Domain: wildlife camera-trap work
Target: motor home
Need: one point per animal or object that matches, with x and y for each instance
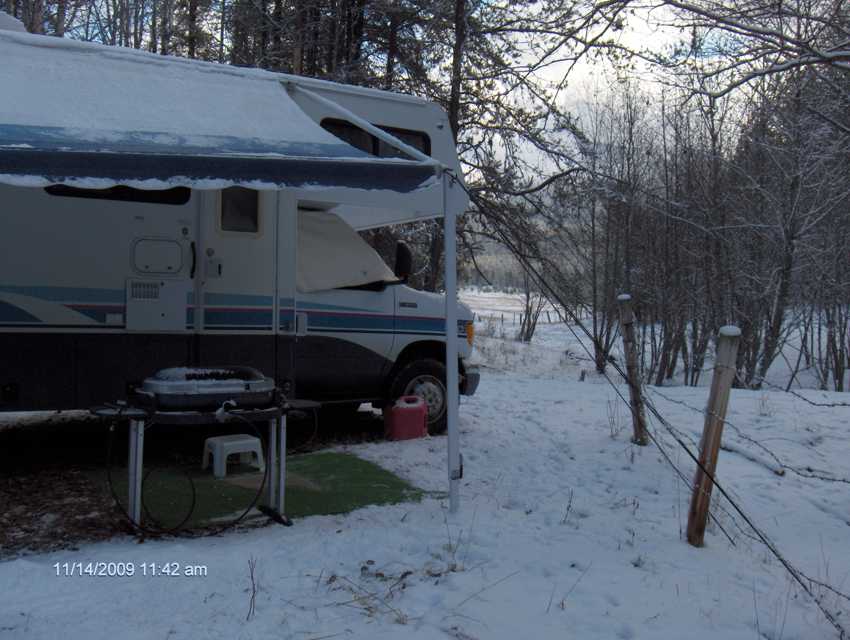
(158, 212)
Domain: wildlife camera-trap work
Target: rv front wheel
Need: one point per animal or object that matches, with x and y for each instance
(426, 379)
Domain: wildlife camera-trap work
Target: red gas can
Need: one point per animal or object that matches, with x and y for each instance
(407, 419)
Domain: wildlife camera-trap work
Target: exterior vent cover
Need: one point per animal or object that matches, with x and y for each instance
(144, 290)
(158, 305)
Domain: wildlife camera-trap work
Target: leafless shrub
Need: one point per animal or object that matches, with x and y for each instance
(615, 421)
(252, 601)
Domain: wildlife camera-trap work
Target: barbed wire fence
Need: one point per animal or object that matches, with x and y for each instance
(573, 322)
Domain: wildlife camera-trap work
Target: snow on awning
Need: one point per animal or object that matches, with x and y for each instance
(95, 116)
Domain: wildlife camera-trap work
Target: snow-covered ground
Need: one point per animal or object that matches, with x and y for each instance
(566, 530)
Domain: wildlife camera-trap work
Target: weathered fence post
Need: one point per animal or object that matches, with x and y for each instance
(627, 328)
(715, 415)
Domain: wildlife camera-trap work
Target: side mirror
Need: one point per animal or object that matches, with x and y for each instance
(403, 261)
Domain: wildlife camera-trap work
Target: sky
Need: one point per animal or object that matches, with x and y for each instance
(642, 31)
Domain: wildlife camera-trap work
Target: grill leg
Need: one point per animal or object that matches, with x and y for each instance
(134, 471)
(277, 474)
(271, 464)
(281, 478)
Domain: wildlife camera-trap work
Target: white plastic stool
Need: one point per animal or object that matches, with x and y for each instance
(248, 447)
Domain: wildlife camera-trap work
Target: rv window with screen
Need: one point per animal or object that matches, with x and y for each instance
(176, 196)
(360, 139)
(240, 210)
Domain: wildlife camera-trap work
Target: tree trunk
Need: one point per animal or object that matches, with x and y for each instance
(33, 16)
(457, 66)
(154, 35)
(221, 31)
(277, 33)
(774, 329)
(165, 28)
(192, 35)
(59, 26)
(357, 26)
(298, 44)
(262, 55)
(454, 122)
(435, 259)
(392, 50)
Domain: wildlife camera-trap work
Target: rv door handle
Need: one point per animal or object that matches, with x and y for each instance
(194, 261)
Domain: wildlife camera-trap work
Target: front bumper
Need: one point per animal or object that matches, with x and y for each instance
(469, 380)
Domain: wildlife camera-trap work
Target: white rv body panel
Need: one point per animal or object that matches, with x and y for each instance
(120, 273)
(115, 257)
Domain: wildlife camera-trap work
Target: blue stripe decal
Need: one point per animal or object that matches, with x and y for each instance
(96, 303)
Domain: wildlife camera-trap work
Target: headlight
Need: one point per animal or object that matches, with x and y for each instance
(470, 332)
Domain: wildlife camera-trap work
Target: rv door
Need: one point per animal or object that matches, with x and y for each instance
(236, 295)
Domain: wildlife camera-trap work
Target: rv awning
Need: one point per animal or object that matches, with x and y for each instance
(95, 116)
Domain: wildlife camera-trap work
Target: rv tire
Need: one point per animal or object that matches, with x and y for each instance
(425, 378)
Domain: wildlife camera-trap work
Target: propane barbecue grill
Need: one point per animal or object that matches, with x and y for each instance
(205, 388)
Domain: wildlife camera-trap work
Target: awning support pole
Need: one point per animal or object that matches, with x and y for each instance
(452, 381)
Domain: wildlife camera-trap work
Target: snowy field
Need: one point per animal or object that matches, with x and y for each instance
(566, 530)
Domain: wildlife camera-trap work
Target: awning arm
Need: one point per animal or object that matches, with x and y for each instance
(382, 135)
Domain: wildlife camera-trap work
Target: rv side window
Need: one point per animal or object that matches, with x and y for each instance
(360, 139)
(240, 210)
(355, 136)
(175, 196)
(416, 139)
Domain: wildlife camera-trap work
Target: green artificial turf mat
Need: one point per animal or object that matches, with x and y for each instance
(316, 484)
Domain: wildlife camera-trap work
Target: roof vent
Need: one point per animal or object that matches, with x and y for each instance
(10, 23)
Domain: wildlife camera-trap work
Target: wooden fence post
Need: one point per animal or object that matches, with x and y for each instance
(715, 415)
(627, 328)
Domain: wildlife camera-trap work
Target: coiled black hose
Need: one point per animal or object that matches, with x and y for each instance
(158, 529)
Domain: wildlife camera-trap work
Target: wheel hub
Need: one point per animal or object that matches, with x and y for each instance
(431, 391)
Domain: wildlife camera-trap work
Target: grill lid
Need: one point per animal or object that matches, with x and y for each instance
(179, 388)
